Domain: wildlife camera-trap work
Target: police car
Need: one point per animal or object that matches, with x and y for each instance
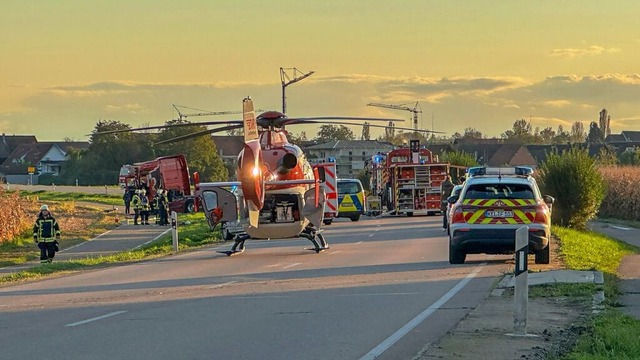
(492, 205)
(351, 199)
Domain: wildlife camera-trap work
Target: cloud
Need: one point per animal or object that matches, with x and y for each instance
(578, 52)
(450, 104)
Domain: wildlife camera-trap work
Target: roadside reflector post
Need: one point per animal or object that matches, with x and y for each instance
(521, 288)
(174, 230)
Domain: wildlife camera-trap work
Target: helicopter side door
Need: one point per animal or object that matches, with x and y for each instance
(218, 204)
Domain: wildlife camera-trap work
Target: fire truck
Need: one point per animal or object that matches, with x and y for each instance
(406, 181)
(169, 173)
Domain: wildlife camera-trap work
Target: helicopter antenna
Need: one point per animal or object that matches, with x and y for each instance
(286, 81)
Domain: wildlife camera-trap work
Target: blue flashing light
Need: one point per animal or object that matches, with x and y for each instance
(331, 159)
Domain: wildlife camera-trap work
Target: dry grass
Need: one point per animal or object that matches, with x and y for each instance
(15, 215)
(623, 192)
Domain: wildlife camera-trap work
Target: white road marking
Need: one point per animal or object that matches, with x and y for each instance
(395, 337)
(221, 285)
(96, 318)
(152, 240)
(359, 242)
(620, 227)
(335, 252)
(292, 265)
(370, 235)
(274, 265)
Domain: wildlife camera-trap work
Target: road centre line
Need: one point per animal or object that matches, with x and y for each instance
(292, 265)
(96, 318)
(395, 337)
(620, 227)
(370, 235)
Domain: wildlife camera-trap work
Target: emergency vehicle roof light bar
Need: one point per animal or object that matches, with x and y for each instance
(516, 170)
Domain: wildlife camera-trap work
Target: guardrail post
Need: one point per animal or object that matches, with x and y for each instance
(174, 230)
(521, 296)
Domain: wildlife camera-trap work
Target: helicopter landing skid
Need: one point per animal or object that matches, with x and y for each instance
(238, 246)
(230, 252)
(315, 236)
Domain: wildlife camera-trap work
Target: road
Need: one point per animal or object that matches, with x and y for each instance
(384, 290)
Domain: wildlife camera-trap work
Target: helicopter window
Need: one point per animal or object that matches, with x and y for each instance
(210, 200)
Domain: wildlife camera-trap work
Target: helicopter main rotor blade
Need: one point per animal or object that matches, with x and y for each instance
(372, 125)
(157, 127)
(199, 133)
(331, 118)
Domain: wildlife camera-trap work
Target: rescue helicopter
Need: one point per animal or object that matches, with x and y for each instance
(278, 194)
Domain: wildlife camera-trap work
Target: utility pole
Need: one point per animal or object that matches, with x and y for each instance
(286, 81)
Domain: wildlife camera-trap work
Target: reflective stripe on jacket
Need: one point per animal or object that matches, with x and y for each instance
(46, 229)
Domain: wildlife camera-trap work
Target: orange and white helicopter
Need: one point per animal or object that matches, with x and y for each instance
(278, 192)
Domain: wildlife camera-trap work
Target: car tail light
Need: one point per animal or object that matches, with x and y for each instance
(542, 214)
(457, 216)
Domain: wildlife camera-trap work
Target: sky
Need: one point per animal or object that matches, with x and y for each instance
(67, 64)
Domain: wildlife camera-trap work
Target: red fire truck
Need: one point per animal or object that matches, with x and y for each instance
(169, 173)
(407, 181)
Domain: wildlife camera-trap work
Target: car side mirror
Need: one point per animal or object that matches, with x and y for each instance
(452, 199)
(548, 199)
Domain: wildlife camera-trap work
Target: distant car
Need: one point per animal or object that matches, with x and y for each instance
(455, 193)
(492, 205)
(351, 199)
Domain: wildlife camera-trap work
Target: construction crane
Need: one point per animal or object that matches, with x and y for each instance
(286, 81)
(415, 110)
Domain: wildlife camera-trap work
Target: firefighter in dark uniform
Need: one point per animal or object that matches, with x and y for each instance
(161, 205)
(445, 190)
(46, 233)
(145, 207)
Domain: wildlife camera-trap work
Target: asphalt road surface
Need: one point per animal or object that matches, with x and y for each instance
(383, 290)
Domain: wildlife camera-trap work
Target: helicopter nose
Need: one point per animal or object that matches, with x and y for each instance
(286, 163)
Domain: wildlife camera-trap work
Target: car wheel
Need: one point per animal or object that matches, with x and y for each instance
(189, 207)
(542, 256)
(327, 221)
(456, 256)
(410, 213)
(355, 217)
(226, 235)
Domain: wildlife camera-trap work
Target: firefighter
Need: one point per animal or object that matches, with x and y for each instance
(445, 190)
(161, 205)
(46, 233)
(145, 208)
(137, 205)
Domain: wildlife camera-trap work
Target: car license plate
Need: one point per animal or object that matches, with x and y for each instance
(498, 214)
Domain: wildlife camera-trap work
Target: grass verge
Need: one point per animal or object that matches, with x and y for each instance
(610, 334)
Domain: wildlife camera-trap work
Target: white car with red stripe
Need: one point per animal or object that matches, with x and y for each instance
(492, 205)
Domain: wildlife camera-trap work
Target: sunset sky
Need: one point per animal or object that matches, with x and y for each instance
(67, 64)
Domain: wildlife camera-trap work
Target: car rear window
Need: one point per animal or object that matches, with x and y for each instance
(499, 191)
(349, 187)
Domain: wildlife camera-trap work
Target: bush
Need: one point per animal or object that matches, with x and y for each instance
(573, 179)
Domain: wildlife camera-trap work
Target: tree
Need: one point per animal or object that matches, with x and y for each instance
(334, 132)
(100, 163)
(201, 152)
(577, 132)
(460, 158)
(562, 137)
(472, 133)
(521, 133)
(596, 136)
(547, 134)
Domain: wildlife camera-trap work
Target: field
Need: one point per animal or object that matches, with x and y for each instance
(623, 190)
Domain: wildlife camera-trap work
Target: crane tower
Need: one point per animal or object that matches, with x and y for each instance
(415, 110)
